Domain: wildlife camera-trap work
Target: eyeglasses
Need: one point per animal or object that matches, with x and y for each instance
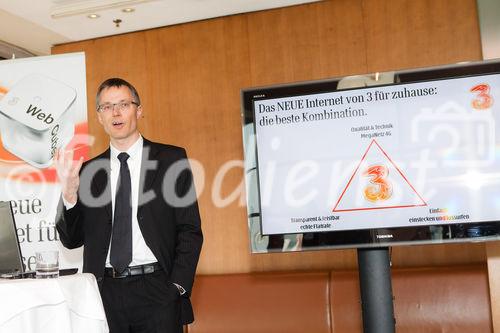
(122, 106)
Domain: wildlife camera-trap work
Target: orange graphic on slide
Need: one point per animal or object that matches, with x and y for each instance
(483, 99)
(386, 186)
(380, 188)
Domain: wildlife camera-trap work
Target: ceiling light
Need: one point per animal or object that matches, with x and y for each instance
(79, 7)
(128, 10)
(93, 16)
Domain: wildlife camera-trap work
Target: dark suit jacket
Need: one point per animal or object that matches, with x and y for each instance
(170, 228)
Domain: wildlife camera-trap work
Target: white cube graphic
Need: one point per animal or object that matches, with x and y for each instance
(36, 118)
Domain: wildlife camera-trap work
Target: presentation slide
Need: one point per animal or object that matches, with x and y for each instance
(404, 155)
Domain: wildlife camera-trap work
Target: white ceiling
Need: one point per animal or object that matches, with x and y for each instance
(33, 26)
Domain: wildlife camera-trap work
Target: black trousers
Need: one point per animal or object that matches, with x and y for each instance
(146, 303)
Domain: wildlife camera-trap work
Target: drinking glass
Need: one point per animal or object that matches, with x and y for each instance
(47, 264)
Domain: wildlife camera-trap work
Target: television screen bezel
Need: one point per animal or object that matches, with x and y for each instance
(360, 238)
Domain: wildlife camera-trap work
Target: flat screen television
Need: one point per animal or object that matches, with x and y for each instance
(393, 158)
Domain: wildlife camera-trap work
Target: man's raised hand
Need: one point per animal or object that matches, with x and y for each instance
(68, 174)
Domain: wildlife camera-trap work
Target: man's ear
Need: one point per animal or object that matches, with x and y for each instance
(99, 117)
(139, 111)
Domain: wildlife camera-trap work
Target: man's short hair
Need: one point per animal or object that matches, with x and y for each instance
(117, 83)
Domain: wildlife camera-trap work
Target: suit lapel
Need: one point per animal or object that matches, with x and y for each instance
(150, 166)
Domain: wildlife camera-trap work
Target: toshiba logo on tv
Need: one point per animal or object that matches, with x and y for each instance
(385, 236)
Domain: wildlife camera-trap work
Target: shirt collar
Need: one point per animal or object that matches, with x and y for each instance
(133, 151)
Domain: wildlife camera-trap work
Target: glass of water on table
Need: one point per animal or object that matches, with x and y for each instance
(47, 264)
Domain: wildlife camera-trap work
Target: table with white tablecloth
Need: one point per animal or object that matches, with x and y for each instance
(68, 304)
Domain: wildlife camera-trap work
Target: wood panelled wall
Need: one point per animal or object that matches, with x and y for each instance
(190, 77)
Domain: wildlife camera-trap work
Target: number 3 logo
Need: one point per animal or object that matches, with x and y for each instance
(380, 187)
(483, 99)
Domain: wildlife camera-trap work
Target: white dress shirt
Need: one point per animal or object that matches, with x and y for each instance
(141, 253)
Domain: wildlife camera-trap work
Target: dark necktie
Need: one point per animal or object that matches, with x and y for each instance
(121, 243)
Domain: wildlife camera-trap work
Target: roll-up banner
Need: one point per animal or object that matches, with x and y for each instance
(43, 107)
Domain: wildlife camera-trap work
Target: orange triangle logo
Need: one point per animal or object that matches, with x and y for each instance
(377, 183)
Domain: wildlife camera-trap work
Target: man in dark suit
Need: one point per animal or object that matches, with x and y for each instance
(134, 210)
